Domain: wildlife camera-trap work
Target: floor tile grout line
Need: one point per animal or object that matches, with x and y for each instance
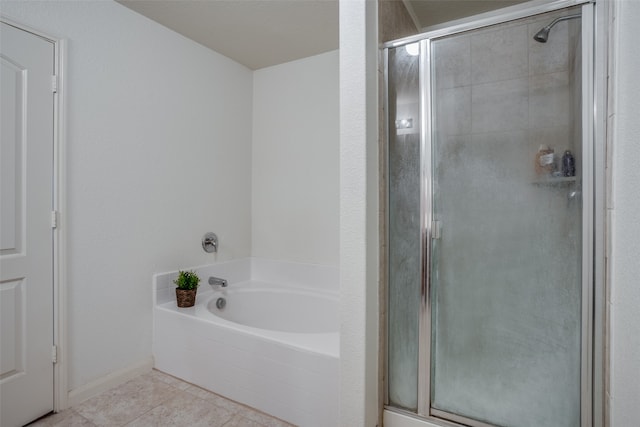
(83, 417)
(143, 414)
(146, 383)
(164, 404)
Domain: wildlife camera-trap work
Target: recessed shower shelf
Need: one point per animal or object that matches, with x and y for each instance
(560, 180)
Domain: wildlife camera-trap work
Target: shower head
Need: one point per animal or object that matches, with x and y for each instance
(543, 35)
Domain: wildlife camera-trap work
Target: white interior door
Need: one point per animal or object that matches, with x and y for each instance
(26, 235)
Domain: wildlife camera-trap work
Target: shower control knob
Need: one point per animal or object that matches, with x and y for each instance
(210, 242)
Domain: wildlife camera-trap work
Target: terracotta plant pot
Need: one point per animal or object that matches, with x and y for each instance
(186, 297)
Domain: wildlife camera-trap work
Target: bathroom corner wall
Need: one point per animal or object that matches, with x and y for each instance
(158, 142)
(624, 282)
(359, 214)
(394, 21)
(295, 134)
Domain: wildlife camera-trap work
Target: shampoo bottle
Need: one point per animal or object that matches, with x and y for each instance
(568, 164)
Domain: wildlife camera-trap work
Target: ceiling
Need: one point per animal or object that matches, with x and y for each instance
(261, 33)
(255, 33)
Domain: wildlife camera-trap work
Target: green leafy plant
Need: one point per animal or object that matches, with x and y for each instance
(187, 280)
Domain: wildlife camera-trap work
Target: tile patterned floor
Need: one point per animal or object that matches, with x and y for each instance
(158, 399)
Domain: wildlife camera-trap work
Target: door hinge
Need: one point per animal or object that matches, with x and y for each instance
(54, 354)
(54, 84)
(54, 219)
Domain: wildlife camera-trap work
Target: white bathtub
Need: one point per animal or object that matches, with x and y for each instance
(274, 346)
(277, 308)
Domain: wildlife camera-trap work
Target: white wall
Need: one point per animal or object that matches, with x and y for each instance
(359, 240)
(295, 135)
(158, 153)
(625, 281)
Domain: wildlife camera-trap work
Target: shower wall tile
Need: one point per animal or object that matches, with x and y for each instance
(497, 157)
(499, 55)
(552, 56)
(453, 111)
(500, 106)
(453, 67)
(549, 98)
(453, 151)
(501, 154)
(575, 39)
(394, 21)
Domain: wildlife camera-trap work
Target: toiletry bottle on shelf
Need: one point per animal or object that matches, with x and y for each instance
(568, 164)
(545, 160)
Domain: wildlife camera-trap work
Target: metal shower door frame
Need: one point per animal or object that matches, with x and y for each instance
(593, 205)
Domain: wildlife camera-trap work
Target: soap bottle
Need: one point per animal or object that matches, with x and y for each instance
(545, 160)
(568, 164)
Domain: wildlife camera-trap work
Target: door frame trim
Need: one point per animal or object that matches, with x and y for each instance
(60, 324)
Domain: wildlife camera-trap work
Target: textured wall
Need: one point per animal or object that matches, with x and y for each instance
(625, 282)
(359, 240)
(394, 21)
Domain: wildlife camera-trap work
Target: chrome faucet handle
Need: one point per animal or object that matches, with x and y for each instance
(216, 281)
(210, 242)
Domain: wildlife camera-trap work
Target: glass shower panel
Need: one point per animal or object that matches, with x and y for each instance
(506, 268)
(404, 261)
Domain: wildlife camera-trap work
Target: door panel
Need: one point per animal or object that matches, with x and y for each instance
(26, 239)
(506, 270)
(404, 268)
(507, 243)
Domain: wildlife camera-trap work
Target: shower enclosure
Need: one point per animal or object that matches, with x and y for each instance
(490, 220)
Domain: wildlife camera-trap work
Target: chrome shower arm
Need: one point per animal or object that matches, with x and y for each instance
(542, 35)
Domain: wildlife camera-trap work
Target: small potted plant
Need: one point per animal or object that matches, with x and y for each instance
(186, 288)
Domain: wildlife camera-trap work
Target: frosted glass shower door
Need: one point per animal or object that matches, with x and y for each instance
(506, 261)
(404, 227)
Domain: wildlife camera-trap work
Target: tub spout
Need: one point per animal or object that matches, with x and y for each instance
(216, 281)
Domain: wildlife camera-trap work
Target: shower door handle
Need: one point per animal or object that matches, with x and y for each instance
(436, 230)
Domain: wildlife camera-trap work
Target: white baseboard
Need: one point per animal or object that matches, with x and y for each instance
(82, 393)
